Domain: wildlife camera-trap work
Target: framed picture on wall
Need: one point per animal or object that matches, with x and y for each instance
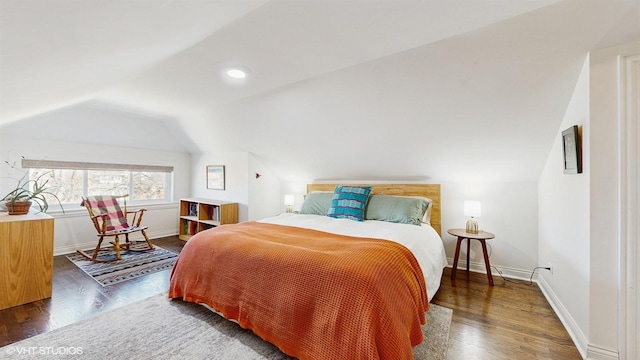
(572, 151)
(215, 177)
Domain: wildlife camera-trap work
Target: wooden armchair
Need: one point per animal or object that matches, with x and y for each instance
(110, 220)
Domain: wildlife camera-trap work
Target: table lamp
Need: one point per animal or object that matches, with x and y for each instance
(288, 201)
(472, 208)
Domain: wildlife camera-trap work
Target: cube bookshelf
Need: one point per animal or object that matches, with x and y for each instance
(197, 214)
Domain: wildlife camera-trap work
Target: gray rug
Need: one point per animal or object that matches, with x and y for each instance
(158, 328)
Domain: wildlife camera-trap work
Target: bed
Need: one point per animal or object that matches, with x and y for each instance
(325, 286)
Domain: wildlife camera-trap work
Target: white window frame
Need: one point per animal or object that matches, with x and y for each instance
(87, 166)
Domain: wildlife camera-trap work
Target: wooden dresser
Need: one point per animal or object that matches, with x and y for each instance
(26, 258)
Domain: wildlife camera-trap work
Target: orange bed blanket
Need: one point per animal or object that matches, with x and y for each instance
(315, 295)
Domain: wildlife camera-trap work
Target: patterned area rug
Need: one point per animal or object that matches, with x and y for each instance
(132, 265)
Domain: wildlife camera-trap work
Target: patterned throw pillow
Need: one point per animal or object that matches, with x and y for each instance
(349, 202)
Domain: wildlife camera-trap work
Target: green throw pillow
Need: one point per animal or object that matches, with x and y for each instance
(316, 203)
(397, 209)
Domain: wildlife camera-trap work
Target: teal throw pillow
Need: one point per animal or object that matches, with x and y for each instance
(349, 202)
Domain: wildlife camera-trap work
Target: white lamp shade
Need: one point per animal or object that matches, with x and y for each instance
(289, 200)
(472, 208)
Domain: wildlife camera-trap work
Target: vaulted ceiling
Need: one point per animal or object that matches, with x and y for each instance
(467, 90)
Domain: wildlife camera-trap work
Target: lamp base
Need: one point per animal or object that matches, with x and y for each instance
(472, 226)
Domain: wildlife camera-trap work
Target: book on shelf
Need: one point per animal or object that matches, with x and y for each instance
(193, 209)
(213, 213)
(207, 226)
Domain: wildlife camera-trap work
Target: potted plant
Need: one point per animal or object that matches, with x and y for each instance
(29, 191)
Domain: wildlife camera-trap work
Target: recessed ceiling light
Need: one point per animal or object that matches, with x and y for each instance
(236, 73)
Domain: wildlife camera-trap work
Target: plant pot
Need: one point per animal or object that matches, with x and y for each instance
(18, 207)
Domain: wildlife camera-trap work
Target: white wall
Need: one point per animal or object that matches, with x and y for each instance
(265, 197)
(96, 133)
(509, 210)
(74, 230)
(297, 188)
(579, 213)
(564, 231)
(236, 173)
(256, 198)
(604, 263)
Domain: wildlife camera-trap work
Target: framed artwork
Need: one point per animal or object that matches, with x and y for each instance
(215, 177)
(571, 150)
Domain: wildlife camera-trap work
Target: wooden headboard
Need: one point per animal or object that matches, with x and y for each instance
(431, 191)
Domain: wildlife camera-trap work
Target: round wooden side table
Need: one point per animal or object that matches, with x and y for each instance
(481, 236)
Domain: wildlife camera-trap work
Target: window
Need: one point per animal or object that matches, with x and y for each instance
(70, 181)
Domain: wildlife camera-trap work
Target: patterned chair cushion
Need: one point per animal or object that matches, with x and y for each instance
(116, 218)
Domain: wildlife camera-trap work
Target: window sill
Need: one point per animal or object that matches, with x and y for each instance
(80, 211)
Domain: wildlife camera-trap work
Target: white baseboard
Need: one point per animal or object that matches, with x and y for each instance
(478, 267)
(597, 353)
(578, 337)
(587, 351)
(62, 250)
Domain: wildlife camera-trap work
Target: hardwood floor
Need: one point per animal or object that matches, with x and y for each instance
(507, 321)
(76, 296)
(511, 320)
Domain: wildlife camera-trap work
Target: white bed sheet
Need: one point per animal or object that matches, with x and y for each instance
(423, 241)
